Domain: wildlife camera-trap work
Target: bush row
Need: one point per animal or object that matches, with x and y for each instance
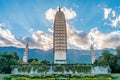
(52, 77)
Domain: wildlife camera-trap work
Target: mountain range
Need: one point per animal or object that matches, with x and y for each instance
(73, 55)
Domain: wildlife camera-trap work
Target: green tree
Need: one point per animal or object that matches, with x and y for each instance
(30, 60)
(59, 68)
(29, 67)
(67, 68)
(3, 62)
(35, 62)
(112, 62)
(117, 67)
(45, 68)
(103, 60)
(72, 68)
(45, 62)
(118, 51)
(24, 68)
(107, 59)
(39, 70)
(15, 55)
(6, 60)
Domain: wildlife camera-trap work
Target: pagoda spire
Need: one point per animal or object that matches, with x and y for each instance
(59, 9)
(60, 38)
(92, 53)
(25, 57)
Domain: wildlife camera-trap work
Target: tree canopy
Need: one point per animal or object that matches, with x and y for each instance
(109, 59)
(6, 60)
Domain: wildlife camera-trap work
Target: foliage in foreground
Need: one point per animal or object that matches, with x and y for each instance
(6, 60)
(63, 79)
(109, 59)
(11, 58)
(57, 77)
(57, 68)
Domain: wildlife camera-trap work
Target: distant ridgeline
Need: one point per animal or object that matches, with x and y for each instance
(73, 56)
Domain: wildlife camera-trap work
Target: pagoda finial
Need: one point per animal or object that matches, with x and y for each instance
(59, 9)
(27, 44)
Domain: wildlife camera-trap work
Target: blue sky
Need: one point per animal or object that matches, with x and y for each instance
(26, 20)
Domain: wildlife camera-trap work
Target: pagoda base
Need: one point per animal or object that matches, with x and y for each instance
(60, 62)
(60, 57)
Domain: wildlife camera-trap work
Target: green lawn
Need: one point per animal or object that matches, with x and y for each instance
(2, 76)
(114, 77)
(63, 79)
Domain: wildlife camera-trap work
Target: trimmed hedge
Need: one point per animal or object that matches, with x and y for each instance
(80, 68)
(59, 76)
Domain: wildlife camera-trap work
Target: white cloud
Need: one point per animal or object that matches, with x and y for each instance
(82, 40)
(30, 30)
(6, 34)
(113, 13)
(110, 40)
(75, 5)
(42, 40)
(0, 25)
(98, 39)
(113, 18)
(8, 39)
(39, 35)
(50, 30)
(5, 26)
(77, 38)
(107, 12)
(39, 40)
(69, 13)
(50, 14)
(115, 22)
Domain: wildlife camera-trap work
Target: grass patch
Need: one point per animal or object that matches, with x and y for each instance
(24, 78)
(57, 77)
(90, 78)
(115, 76)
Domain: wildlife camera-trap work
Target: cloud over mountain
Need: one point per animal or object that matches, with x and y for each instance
(76, 38)
(83, 40)
(8, 39)
(39, 40)
(101, 40)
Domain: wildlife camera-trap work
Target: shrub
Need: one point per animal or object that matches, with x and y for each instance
(76, 76)
(62, 75)
(47, 76)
